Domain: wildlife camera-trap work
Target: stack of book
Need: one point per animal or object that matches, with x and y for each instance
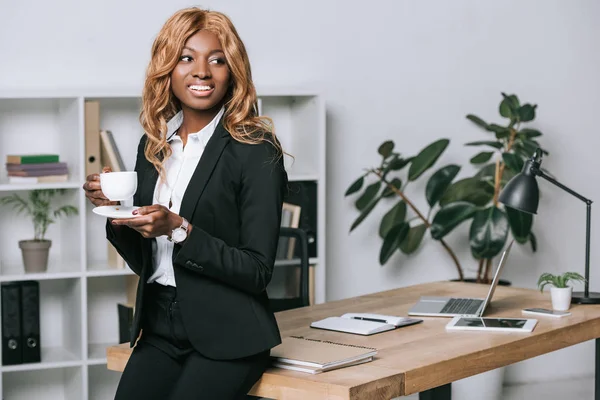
(315, 356)
(36, 168)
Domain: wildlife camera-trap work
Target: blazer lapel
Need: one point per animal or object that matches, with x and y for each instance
(210, 156)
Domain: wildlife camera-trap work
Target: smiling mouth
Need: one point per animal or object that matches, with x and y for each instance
(200, 88)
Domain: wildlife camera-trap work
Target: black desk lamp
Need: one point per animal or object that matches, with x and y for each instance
(521, 193)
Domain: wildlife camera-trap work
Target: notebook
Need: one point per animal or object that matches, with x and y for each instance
(364, 323)
(315, 356)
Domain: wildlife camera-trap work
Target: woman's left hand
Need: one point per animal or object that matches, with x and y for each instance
(152, 221)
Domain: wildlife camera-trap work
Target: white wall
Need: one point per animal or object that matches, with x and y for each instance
(401, 70)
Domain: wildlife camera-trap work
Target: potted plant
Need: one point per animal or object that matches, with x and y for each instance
(560, 292)
(451, 202)
(37, 206)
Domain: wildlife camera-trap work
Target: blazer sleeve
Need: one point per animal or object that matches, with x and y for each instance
(249, 266)
(128, 242)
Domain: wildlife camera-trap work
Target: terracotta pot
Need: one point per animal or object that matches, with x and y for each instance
(35, 255)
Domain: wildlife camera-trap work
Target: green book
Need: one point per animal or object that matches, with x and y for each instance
(32, 158)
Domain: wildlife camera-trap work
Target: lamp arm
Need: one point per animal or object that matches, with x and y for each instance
(538, 172)
(588, 224)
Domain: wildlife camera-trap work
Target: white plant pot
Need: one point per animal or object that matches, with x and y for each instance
(485, 386)
(561, 298)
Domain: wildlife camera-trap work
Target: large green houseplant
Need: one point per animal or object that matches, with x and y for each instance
(449, 202)
(37, 206)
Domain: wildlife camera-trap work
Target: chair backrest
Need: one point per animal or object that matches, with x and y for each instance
(296, 256)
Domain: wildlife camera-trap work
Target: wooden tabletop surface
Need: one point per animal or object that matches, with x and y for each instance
(417, 357)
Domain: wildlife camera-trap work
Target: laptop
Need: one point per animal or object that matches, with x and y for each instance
(431, 306)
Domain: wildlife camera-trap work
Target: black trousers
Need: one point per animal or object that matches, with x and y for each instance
(164, 366)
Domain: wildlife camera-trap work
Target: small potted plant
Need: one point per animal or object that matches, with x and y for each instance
(560, 292)
(37, 206)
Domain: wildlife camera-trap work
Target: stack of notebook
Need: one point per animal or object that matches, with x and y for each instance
(316, 356)
(36, 168)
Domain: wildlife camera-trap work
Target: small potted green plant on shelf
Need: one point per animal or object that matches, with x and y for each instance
(37, 206)
(560, 292)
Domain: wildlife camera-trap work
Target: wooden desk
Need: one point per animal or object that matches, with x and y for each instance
(421, 358)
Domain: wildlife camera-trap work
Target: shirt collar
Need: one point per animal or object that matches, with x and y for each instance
(204, 134)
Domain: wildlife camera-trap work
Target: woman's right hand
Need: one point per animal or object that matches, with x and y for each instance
(93, 191)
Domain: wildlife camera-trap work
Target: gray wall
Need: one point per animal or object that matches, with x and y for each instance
(402, 70)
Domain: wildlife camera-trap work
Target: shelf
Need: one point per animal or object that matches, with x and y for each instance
(53, 357)
(295, 261)
(104, 293)
(16, 187)
(56, 270)
(103, 382)
(97, 353)
(101, 269)
(302, 177)
(49, 384)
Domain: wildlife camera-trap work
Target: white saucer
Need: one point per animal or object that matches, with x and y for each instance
(116, 211)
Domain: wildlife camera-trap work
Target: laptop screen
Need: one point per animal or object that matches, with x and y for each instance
(496, 279)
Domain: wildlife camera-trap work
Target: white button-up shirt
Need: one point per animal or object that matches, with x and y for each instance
(179, 168)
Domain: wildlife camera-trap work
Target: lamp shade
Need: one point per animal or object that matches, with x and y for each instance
(522, 192)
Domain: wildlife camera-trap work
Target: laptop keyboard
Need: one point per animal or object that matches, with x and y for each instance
(461, 306)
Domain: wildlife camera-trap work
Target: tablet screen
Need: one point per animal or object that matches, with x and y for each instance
(492, 323)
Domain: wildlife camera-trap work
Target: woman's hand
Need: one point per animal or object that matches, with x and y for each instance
(93, 191)
(152, 221)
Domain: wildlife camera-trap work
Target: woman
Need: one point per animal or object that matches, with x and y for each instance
(211, 183)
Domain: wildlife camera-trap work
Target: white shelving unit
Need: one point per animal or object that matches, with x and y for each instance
(79, 292)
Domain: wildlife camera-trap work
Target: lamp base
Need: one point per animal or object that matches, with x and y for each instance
(580, 298)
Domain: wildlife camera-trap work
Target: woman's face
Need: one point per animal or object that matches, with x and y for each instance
(201, 78)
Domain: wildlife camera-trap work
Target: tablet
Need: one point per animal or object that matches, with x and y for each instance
(492, 324)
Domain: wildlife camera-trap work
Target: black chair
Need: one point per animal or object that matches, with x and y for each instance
(299, 253)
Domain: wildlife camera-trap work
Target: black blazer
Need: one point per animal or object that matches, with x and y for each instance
(234, 201)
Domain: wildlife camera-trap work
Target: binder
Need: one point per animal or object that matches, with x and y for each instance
(111, 157)
(315, 356)
(125, 313)
(30, 321)
(11, 323)
(92, 138)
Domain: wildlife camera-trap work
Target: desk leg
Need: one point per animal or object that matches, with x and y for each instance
(597, 377)
(444, 392)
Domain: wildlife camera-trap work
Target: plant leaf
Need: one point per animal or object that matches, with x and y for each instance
(509, 106)
(482, 157)
(356, 186)
(426, 158)
(471, 190)
(513, 162)
(449, 217)
(500, 131)
(385, 149)
(439, 182)
(533, 241)
(496, 145)
(529, 133)
(520, 224)
(398, 163)
(414, 238)
(488, 232)
(392, 241)
(478, 121)
(393, 217)
(387, 192)
(527, 112)
(368, 195)
(488, 172)
(365, 212)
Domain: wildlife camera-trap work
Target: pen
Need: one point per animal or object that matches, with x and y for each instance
(371, 319)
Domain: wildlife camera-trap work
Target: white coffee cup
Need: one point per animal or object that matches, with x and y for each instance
(118, 186)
